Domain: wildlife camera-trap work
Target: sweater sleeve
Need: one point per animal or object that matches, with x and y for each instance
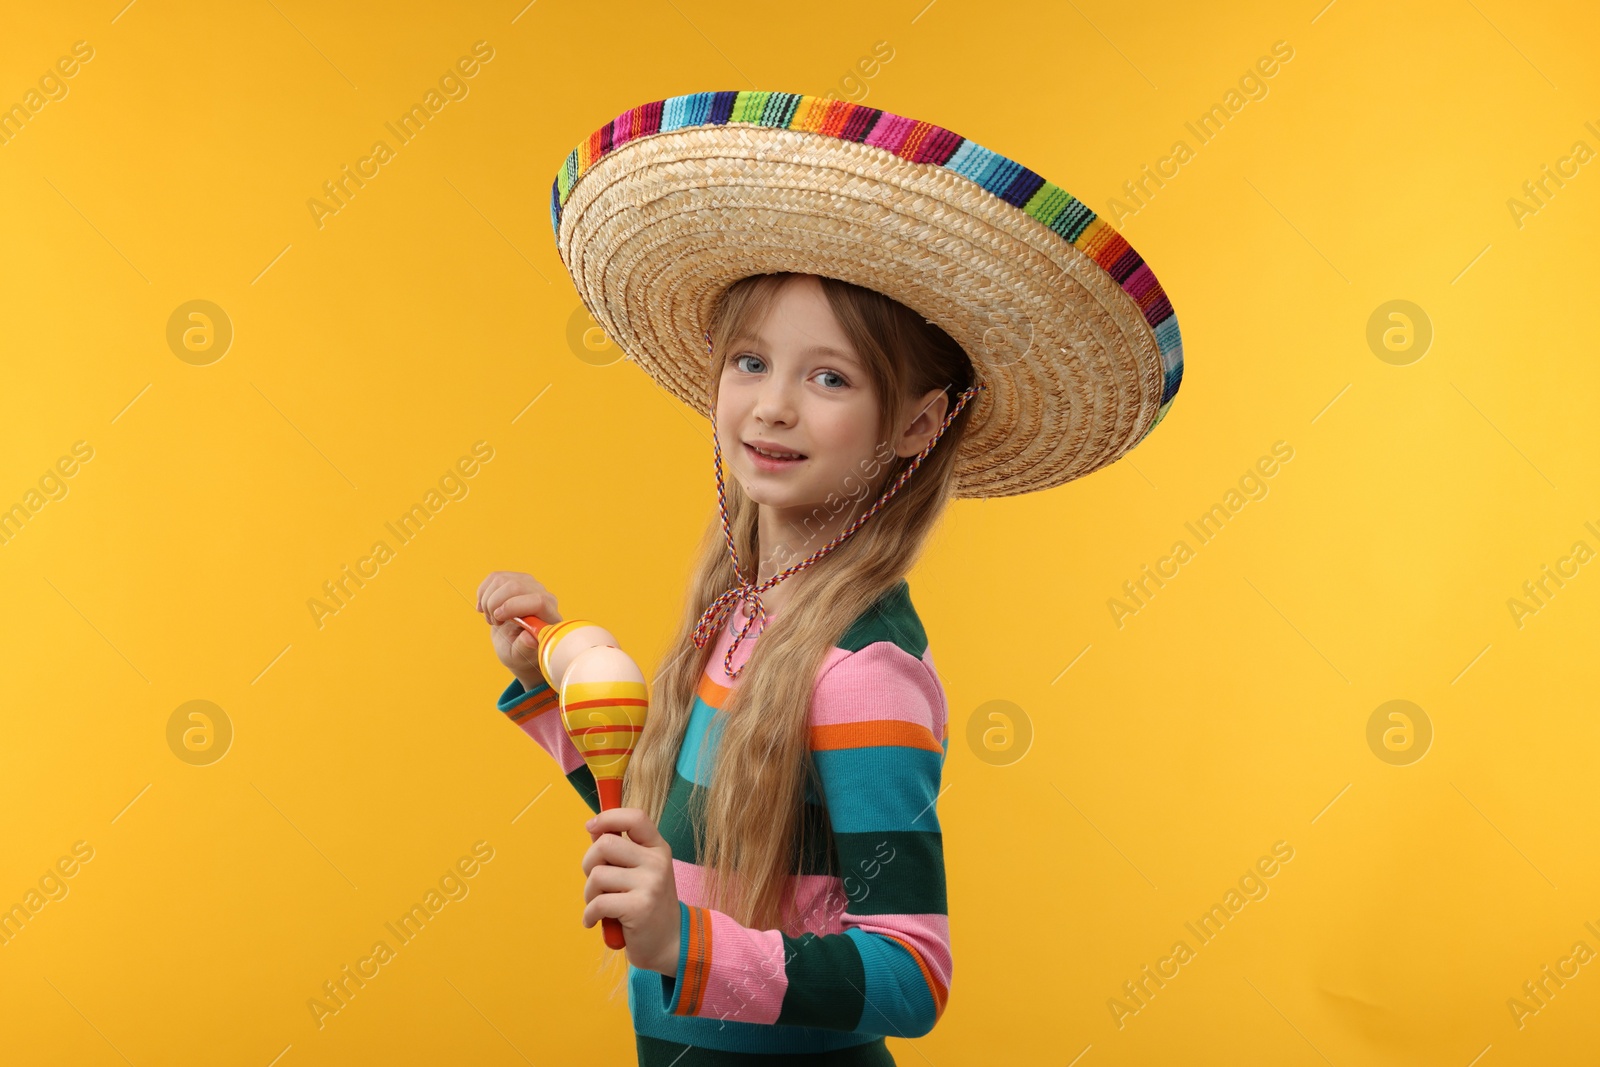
(538, 712)
(878, 737)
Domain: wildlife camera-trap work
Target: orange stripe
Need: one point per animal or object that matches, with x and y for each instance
(711, 691)
(607, 702)
(698, 963)
(839, 113)
(580, 730)
(529, 709)
(914, 139)
(873, 732)
(941, 994)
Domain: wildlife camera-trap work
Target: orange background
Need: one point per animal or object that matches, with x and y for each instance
(1151, 757)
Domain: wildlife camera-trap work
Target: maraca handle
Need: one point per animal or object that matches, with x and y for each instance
(609, 926)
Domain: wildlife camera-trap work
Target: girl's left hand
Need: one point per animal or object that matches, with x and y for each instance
(631, 880)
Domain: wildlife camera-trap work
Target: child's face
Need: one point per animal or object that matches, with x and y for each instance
(778, 386)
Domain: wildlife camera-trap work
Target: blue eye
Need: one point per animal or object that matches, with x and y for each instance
(835, 374)
(737, 361)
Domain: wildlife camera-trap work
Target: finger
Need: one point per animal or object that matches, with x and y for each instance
(513, 586)
(539, 603)
(609, 849)
(485, 587)
(608, 879)
(525, 648)
(633, 821)
(608, 906)
(507, 584)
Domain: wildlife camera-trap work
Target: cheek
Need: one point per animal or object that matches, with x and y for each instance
(729, 411)
(851, 435)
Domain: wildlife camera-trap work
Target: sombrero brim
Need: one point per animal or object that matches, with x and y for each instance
(663, 208)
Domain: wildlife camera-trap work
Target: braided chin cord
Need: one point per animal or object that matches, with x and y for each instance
(743, 592)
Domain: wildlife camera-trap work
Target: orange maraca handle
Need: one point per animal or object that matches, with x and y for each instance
(609, 927)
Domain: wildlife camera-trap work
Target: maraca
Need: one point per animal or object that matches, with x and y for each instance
(604, 702)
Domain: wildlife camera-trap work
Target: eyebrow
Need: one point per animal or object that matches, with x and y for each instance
(810, 350)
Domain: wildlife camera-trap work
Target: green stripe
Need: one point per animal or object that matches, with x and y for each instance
(780, 110)
(747, 106)
(1047, 202)
(894, 872)
(890, 618)
(654, 1052)
(827, 982)
(582, 780)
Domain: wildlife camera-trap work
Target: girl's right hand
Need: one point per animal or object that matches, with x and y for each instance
(503, 597)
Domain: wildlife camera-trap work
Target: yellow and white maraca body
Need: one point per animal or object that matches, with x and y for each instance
(604, 702)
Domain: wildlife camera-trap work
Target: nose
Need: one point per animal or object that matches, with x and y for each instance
(775, 402)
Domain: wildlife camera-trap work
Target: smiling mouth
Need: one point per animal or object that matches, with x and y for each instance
(770, 462)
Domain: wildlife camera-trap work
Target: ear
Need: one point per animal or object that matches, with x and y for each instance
(926, 414)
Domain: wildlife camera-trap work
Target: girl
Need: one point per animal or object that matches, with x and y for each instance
(781, 885)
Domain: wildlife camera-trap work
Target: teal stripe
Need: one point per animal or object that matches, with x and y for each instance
(886, 787)
(690, 110)
(1073, 221)
(780, 110)
(999, 176)
(705, 729)
(1167, 338)
(898, 999)
(970, 160)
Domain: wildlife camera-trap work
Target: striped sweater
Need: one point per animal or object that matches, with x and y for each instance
(863, 955)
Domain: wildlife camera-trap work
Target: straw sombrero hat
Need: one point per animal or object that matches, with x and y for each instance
(1072, 337)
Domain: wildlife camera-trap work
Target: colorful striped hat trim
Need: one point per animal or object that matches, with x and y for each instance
(918, 142)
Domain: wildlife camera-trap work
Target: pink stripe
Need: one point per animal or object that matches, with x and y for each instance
(546, 728)
(929, 934)
(890, 132)
(747, 980)
(813, 903)
(1139, 282)
(880, 681)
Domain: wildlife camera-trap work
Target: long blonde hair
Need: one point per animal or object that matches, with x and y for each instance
(752, 824)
